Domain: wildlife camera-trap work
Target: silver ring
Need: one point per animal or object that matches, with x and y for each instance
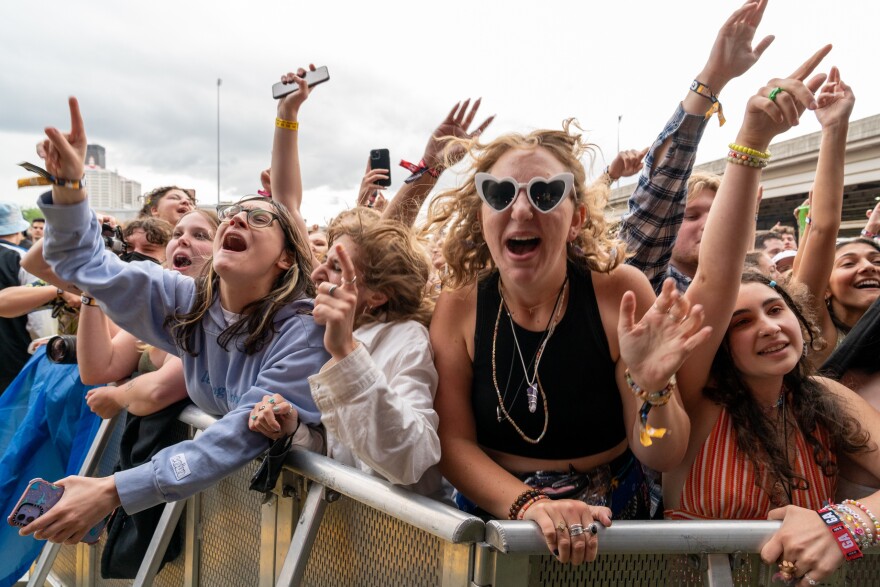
(263, 407)
(351, 281)
(331, 290)
(811, 580)
(576, 529)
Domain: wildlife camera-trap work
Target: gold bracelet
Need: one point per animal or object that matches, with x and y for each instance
(749, 151)
(288, 124)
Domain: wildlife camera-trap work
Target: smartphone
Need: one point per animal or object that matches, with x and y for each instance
(313, 78)
(381, 159)
(39, 497)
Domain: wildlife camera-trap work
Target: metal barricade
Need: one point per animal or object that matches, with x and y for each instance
(714, 553)
(329, 524)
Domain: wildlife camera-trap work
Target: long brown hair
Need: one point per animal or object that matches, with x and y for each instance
(391, 261)
(457, 210)
(258, 316)
(811, 405)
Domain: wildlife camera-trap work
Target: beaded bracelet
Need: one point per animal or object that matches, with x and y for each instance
(520, 501)
(649, 400)
(749, 151)
(857, 526)
(842, 535)
(288, 124)
(747, 160)
(868, 513)
(522, 511)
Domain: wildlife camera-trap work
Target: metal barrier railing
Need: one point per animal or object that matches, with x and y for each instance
(379, 534)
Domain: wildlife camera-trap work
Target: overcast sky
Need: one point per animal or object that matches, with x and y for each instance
(146, 77)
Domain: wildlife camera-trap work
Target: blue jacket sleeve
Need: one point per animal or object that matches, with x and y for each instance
(136, 296)
(186, 468)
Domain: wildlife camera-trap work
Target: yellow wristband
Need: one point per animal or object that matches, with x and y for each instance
(288, 124)
(749, 151)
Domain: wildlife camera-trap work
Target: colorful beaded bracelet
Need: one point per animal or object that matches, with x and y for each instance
(749, 151)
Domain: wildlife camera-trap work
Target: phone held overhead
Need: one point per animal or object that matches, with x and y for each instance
(313, 78)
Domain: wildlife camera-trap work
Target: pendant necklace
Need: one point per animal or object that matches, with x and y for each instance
(534, 382)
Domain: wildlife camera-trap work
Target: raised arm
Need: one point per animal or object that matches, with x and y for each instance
(75, 251)
(405, 205)
(836, 102)
(286, 177)
(656, 207)
(728, 228)
(102, 357)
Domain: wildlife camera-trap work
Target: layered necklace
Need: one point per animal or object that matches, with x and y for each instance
(534, 381)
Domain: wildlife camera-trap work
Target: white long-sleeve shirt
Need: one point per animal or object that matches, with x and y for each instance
(377, 405)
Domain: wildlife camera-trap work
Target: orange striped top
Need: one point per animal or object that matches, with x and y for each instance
(723, 483)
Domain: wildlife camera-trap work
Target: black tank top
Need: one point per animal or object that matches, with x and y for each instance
(576, 371)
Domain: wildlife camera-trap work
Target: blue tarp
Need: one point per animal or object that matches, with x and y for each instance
(46, 429)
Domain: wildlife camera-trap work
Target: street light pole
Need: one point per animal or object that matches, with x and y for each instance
(219, 81)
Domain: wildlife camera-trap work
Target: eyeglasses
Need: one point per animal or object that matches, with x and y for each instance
(544, 194)
(256, 217)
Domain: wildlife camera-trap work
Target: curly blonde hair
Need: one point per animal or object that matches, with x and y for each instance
(391, 261)
(457, 210)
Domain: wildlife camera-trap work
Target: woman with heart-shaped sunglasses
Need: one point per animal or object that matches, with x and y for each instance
(539, 352)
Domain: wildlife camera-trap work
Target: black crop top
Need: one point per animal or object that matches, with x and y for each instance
(576, 371)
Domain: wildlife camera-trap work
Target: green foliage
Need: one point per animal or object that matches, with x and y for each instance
(31, 213)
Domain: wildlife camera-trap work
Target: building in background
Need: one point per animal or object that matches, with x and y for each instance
(108, 191)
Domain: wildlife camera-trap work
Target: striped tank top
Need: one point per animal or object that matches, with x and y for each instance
(723, 484)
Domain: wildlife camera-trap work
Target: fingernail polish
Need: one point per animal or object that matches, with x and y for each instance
(556, 552)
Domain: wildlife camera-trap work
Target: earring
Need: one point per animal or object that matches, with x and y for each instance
(476, 227)
(804, 352)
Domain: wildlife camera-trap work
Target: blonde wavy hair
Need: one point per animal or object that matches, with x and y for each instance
(391, 260)
(457, 211)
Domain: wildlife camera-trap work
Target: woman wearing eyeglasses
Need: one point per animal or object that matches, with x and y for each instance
(540, 361)
(244, 330)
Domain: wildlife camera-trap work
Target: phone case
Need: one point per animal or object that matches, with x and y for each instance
(39, 497)
(313, 78)
(381, 159)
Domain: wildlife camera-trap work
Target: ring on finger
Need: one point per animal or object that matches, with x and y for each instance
(351, 281)
(810, 580)
(561, 526)
(263, 407)
(331, 290)
(775, 92)
(576, 529)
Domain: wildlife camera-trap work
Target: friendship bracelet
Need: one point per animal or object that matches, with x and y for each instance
(749, 151)
(522, 512)
(868, 513)
(418, 170)
(747, 160)
(649, 400)
(859, 527)
(703, 90)
(288, 124)
(842, 536)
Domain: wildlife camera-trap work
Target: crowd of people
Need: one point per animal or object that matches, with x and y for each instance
(516, 353)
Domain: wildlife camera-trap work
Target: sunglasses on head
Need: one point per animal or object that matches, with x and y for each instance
(544, 194)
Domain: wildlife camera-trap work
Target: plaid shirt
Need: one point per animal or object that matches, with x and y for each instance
(656, 207)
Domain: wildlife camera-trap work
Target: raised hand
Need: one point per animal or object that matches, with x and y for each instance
(456, 124)
(835, 100)
(335, 308)
(654, 348)
(766, 118)
(732, 54)
(288, 106)
(369, 190)
(627, 163)
(65, 153)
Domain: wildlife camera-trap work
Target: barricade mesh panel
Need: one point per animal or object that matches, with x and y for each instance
(64, 569)
(680, 571)
(357, 545)
(230, 545)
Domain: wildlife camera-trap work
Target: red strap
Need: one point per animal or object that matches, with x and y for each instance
(842, 535)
